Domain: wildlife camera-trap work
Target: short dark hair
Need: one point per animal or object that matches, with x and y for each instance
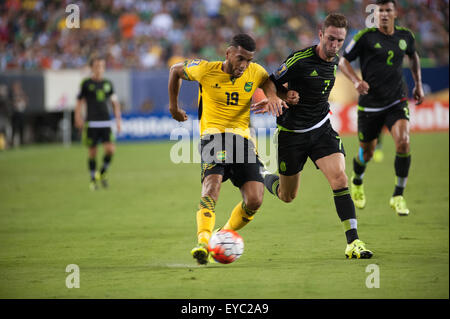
(386, 2)
(95, 58)
(335, 20)
(245, 41)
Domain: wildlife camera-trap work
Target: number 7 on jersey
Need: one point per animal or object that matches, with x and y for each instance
(327, 82)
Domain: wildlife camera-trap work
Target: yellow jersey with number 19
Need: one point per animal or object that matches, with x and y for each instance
(224, 102)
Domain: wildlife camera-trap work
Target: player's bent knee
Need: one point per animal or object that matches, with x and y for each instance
(287, 197)
(110, 149)
(402, 146)
(339, 181)
(254, 202)
(92, 152)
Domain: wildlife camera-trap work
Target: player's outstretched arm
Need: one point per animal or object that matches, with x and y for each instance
(272, 103)
(417, 76)
(360, 85)
(117, 112)
(176, 76)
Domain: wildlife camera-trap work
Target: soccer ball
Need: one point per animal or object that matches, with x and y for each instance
(226, 246)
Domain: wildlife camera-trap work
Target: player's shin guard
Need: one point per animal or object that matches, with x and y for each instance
(401, 164)
(206, 218)
(346, 212)
(240, 217)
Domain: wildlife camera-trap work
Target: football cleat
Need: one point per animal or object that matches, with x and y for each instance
(201, 254)
(398, 203)
(358, 196)
(104, 180)
(357, 249)
(93, 185)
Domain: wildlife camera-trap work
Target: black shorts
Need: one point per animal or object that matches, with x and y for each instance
(232, 156)
(295, 148)
(94, 135)
(370, 124)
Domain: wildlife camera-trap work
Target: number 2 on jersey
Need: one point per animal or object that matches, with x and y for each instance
(390, 56)
(232, 98)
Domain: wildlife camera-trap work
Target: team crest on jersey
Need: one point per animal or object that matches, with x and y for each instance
(402, 44)
(91, 87)
(194, 62)
(281, 71)
(106, 87)
(248, 86)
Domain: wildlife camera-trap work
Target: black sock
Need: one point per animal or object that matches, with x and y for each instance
(272, 182)
(106, 161)
(358, 169)
(346, 212)
(401, 164)
(92, 166)
(398, 191)
(351, 235)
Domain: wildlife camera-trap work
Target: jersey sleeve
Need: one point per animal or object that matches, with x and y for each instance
(195, 69)
(354, 47)
(111, 91)
(287, 71)
(83, 90)
(411, 49)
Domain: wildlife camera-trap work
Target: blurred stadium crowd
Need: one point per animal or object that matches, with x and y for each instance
(149, 34)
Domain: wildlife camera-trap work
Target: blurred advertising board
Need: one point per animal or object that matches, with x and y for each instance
(62, 87)
(432, 115)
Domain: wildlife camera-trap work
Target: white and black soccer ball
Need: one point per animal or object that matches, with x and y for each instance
(226, 246)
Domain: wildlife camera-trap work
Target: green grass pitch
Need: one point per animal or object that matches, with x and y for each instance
(134, 239)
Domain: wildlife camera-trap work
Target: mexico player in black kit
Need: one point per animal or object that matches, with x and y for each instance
(95, 93)
(305, 129)
(383, 98)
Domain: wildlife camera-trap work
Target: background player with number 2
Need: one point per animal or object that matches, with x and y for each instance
(383, 98)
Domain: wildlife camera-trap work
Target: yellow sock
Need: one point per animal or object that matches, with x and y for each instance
(206, 219)
(240, 217)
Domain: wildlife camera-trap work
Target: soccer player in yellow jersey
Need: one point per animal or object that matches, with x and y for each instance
(227, 149)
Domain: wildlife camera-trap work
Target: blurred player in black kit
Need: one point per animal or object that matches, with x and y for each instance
(383, 98)
(95, 93)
